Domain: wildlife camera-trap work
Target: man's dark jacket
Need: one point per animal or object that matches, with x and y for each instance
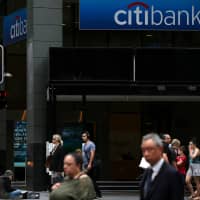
(167, 185)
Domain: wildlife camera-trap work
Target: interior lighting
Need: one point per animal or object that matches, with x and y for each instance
(192, 87)
(8, 75)
(161, 87)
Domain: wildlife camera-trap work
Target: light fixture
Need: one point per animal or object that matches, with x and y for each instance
(8, 74)
(148, 35)
(81, 116)
(161, 88)
(192, 88)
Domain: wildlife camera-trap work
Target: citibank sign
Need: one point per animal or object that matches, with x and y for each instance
(15, 27)
(140, 15)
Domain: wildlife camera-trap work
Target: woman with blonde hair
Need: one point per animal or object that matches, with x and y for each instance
(176, 143)
(56, 161)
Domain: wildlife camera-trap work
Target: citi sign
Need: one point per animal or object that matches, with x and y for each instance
(140, 15)
(19, 28)
(155, 17)
(15, 27)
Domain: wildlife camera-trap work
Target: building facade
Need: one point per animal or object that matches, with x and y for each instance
(117, 120)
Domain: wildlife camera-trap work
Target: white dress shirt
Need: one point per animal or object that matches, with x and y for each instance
(156, 168)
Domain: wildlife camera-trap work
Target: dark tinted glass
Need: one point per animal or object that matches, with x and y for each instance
(167, 65)
(91, 64)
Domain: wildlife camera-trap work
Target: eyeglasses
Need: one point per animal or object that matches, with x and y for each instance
(148, 149)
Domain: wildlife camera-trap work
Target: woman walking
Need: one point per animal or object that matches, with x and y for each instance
(193, 170)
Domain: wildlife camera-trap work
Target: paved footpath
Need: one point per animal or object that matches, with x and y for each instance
(115, 195)
(107, 195)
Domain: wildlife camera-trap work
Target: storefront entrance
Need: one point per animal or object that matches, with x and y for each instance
(117, 129)
(125, 133)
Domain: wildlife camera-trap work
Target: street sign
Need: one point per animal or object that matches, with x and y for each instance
(1, 64)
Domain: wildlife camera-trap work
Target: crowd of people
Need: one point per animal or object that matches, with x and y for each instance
(170, 170)
(175, 167)
(73, 175)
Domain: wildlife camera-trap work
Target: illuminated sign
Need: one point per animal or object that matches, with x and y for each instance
(139, 15)
(15, 27)
(20, 144)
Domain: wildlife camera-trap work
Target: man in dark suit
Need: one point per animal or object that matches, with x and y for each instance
(160, 181)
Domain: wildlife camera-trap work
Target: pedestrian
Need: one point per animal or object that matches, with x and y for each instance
(6, 189)
(56, 159)
(181, 161)
(193, 169)
(175, 145)
(89, 151)
(161, 181)
(76, 185)
(169, 154)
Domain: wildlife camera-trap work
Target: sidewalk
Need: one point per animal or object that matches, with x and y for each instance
(111, 195)
(116, 195)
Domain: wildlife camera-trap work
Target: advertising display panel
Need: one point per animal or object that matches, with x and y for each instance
(20, 144)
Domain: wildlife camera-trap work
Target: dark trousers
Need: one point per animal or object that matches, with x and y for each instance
(93, 175)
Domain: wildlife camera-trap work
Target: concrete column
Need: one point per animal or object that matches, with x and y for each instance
(44, 30)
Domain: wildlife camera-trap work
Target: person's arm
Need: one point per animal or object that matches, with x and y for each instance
(173, 158)
(92, 154)
(165, 149)
(55, 186)
(190, 149)
(181, 161)
(165, 157)
(195, 154)
(174, 164)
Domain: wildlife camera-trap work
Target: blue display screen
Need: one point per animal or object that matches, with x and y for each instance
(139, 15)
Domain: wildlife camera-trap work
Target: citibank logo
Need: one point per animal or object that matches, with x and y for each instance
(141, 14)
(18, 28)
(15, 27)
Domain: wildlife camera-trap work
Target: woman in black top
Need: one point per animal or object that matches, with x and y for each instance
(56, 161)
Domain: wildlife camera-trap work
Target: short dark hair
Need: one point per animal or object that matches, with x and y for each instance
(183, 149)
(87, 133)
(77, 157)
(194, 140)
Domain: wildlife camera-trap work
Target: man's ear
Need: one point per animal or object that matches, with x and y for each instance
(162, 149)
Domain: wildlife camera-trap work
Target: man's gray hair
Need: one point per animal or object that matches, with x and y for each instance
(155, 137)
